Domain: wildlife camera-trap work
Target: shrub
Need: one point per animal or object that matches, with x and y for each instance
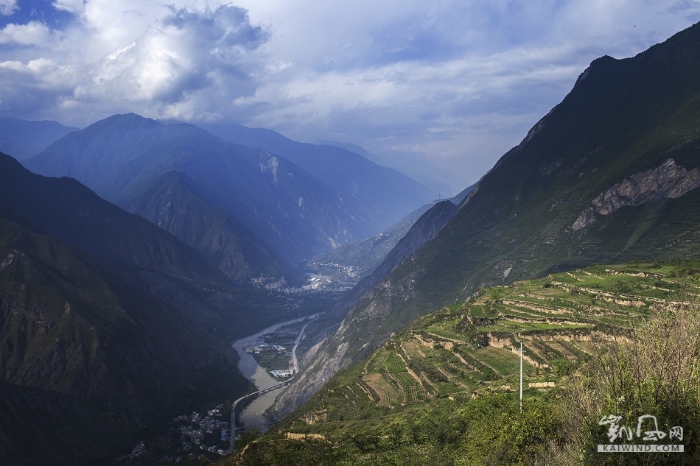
(656, 372)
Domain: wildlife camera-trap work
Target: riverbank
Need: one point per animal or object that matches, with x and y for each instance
(254, 413)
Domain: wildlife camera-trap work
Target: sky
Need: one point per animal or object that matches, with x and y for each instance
(452, 84)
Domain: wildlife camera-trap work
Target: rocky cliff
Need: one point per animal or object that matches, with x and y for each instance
(666, 181)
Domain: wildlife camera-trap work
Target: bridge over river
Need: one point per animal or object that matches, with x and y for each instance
(253, 371)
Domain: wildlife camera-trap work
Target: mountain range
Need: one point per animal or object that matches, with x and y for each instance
(113, 321)
(124, 280)
(608, 175)
(300, 207)
(384, 195)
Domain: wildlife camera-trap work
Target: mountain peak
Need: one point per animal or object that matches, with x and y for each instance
(608, 145)
(126, 118)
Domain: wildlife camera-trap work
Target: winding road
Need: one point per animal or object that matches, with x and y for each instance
(295, 364)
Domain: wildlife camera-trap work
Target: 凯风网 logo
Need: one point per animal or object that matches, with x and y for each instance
(647, 431)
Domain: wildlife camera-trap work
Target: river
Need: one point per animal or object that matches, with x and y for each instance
(253, 414)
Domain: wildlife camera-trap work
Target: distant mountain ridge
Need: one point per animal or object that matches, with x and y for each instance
(122, 156)
(383, 194)
(286, 207)
(22, 138)
(441, 181)
(352, 262)
(621, 125)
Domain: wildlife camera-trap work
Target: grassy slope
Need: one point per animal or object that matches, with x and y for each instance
(621, 118)
(428, 388)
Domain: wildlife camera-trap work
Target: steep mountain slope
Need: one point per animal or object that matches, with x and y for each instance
(23, 138)
(299, 215)
(445, 389)
(609, 175)
(131, 246)
(425, 229)
(352, 262)
(68, 211)
(383, 195)
(83, 353)
(422, 231)
(171, 203)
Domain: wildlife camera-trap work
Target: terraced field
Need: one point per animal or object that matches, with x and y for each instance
(436, 367)
(474, 346)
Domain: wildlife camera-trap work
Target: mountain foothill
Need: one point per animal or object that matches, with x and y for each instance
(133, 251)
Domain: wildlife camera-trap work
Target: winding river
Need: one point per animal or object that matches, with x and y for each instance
(253, 414)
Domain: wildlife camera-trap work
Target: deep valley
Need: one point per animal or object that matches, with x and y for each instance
(180, 293)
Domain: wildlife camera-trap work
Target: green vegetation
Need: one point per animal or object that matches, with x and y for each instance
(624, 118)
(657, 373)
(622, 340)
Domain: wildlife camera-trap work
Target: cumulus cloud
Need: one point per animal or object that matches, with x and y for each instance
(455, 82)
(186, 52)
(179, 66)
(33, 33)
(177, 59)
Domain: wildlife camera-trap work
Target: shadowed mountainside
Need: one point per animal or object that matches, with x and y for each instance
(83, 353)
(383, 195)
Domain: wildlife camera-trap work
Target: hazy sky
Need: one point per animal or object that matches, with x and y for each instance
(454, 82)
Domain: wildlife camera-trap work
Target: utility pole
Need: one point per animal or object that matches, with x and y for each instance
(521, 377)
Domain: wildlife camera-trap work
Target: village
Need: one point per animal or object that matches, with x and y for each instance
(207, 435)
(200, 434)
(195, 436)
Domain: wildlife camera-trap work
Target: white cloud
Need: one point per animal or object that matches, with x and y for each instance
(7, 7)
(41, 73)
(181, 65)
(33, 33)
(185, 52)
(77, 7)
(13, 66)
(459, 82)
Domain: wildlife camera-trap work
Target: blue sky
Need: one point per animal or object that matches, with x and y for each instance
(451, 83)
